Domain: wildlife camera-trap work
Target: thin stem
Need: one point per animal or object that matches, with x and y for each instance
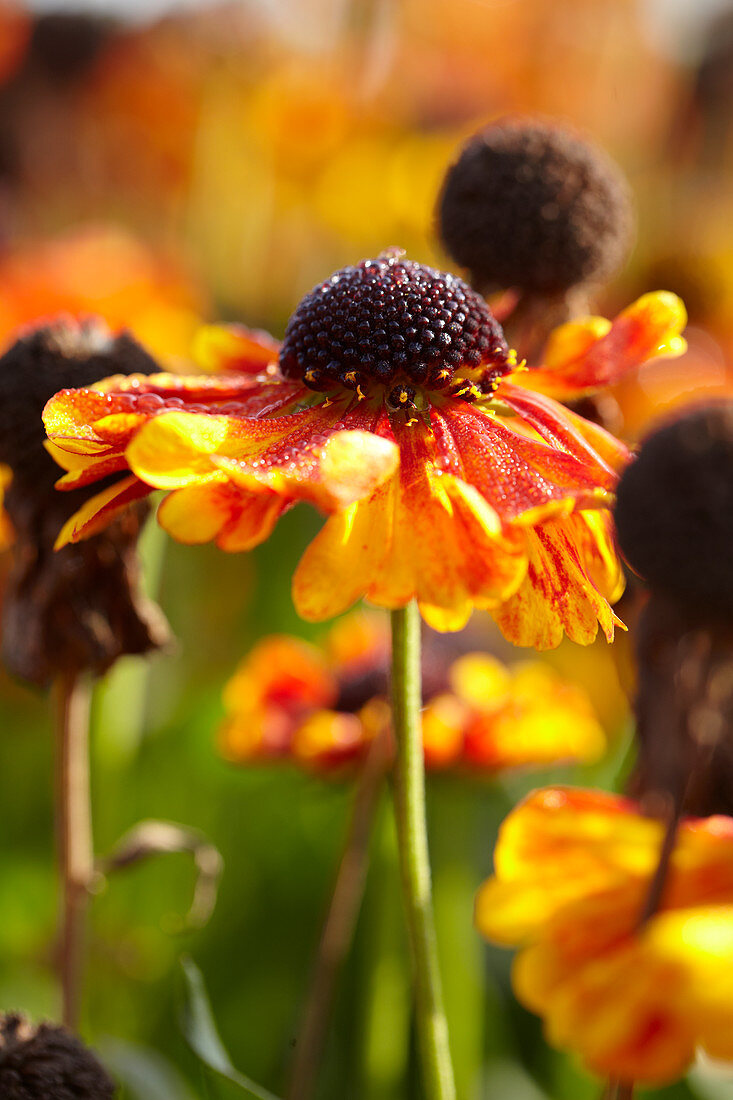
(659, 881)
(338, 930)
(412, 842)
(618, 1090)
(72, 703)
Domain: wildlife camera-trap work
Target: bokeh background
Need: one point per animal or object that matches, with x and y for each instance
(163, 164)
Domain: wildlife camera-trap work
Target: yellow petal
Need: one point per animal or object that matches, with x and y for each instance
(173, 450)
(573, 339)
(196, 514)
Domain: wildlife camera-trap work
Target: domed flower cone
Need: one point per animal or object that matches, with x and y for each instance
(533, 208)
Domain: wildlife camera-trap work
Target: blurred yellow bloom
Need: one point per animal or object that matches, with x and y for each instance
(510, 716)
(572, 872)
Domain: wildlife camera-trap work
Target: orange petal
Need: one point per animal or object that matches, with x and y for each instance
(516, 474)
(562, 428)
(234, 348)
(347, 467)
(425, 535)
(237, 520)
(97, 512)
(577, 365)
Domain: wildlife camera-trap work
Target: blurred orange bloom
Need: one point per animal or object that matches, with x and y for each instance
(100, 271)
(460, 485)
(289, 699)
(322, 706)
(572, 873)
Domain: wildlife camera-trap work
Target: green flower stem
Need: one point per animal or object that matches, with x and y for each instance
(412, 842)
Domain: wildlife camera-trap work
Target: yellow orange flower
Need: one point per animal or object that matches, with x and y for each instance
(572, 872)
(322, 706)
(397, 407)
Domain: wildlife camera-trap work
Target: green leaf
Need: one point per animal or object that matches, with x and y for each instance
(145, 1074)
(202, 1036)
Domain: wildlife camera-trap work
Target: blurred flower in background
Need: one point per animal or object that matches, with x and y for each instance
(101, 271)
(320, 706)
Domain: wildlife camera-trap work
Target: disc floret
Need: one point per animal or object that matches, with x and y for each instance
(395, 327)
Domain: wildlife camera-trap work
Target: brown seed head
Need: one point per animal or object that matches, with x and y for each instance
(531, 205)
(674, 512)
(48, 1063)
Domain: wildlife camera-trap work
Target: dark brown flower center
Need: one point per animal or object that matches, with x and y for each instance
(397, 324)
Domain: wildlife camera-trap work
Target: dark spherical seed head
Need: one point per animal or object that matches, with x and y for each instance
(674, 512)
(60, 356)
(387, 320)
(48, 1063)
(533, 206)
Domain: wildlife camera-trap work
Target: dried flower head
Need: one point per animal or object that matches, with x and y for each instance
(48, 1063)
(79, 609)
(531, 205)
(64, 45)
(674, 511)
(674, 517)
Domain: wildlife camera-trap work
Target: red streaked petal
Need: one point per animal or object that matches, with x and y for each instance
(305, 455)
(424, 534)
(559, 426)
(516, 474)
(560, 593)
